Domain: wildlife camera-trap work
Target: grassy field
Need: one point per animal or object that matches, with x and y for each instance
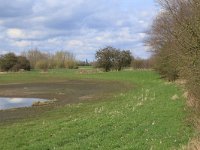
(144, 117)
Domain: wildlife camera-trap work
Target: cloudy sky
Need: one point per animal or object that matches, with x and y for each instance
(79, 26)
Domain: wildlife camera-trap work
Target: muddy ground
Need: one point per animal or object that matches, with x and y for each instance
(65, 92)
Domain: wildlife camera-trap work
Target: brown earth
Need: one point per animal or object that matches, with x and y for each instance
(66, 92)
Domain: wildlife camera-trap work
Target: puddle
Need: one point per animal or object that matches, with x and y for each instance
(55, 93)
(8, 103)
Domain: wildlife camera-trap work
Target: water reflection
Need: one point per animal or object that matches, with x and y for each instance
(8, 103)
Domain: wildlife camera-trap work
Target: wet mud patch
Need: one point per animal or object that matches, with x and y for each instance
(65, 92)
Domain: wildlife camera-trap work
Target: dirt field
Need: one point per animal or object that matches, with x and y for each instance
(66, 92)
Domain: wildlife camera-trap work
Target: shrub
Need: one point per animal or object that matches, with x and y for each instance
(7, 61)
(34, 56)
(10, 62)
(42, 65)
(142, 63)
(71, 64)
(23, 63)
(175, 39)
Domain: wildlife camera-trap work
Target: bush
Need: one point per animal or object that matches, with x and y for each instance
(71, 64)
(7, 61)
(142, 63)
(10, 62)
(23, 63)
(34, 56)
(175, 39)
(42, 65)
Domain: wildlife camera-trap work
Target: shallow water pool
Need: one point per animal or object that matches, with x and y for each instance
(8, 103)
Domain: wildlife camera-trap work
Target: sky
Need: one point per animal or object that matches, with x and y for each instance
(78, 26)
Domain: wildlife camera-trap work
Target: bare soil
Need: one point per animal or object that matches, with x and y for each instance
(66, 92)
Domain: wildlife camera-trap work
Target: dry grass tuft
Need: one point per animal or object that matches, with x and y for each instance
(39, 103)
(175, 97)
(43, 103)
(194, 144)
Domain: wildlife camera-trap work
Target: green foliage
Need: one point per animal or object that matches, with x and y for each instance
(111, 58)
(123, 59)
(10, 62)
(7, 61)
(104, 58)
(23, 63)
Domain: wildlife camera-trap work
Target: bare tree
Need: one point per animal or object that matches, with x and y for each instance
(175, 38)
(34, 56)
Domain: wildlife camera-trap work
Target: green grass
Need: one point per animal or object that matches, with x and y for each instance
(37, 76)
(143, 118)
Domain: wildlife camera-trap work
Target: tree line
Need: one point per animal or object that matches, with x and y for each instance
(36, 59)
(110, 58)
(42, 60)
(175, 40)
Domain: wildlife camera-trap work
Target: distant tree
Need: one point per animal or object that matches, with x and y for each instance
(139, 63)
(61, 59)
(7, 61)
(87, 63)
(111, 58)
(35, 55)
(83, 63)
(64, 59)
(71, 64)
(125, 59)
(11, 62)
(42, 65)
(105, 58)
(23, 63)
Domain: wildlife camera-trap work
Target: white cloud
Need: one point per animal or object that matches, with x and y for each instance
(80, 26)
(75, 43)
(15, 33)
(22, 44)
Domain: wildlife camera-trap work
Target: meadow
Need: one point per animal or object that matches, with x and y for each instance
(144, 116)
